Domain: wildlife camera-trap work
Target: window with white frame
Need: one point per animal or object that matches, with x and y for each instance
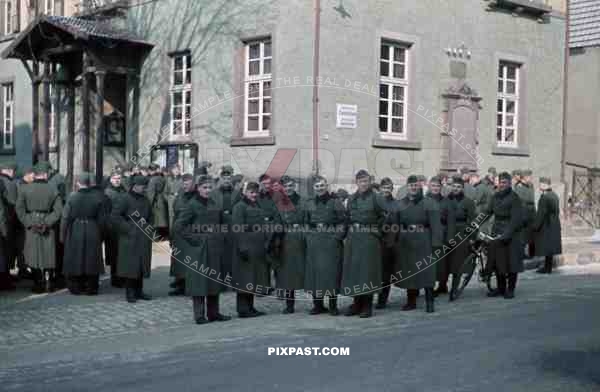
(181, 94)
(8, 17)
(257, 88)
(393, 89)
(507, 104)
(49, 7)
(7, 115)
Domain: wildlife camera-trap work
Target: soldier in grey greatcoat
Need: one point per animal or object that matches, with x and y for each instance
(546, 226)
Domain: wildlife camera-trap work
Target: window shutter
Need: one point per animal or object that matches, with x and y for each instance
(2, 16)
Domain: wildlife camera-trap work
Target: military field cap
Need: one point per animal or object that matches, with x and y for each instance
(227, 170)
(204, 179)
(42, 167)
(421, 177)
(504, 176)
(517, 172)
(187, 177)
(140, 180)
(8, 166)
(545, 180)
(464, 170)
(386, 181)
(412, 179)
(458, 180)
(84, 178)
(492, 170)
(117, 171)
(251, 186)
(362, 173)
(287, 180)
(436, 180)
(527, 172)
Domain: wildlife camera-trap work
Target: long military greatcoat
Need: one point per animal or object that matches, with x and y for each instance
(39, 203)
(268, 202)
(546, 225)
(225, 198)
(446, 208)
(250, 268)
(419, 232)
(506, 254)
(8, 190)
(199, 223)
(179, 247)
(82, 224)
(172, 189)
(290, 274)
(527, 195)
(361, 273)
(4, 244)
(111, 236)
(461, 230)
(157, 197)
(131, 216)
(325, 224)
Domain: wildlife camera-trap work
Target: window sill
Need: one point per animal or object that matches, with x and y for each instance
(511, 151)
(8, 37)
(237, 141)
(402, 144)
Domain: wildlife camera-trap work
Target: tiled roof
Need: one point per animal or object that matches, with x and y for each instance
(584, 23)
(91, 28)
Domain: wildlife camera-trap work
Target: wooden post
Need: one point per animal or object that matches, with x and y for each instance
(44, 134)
(85, 92)
(56, 100)
(100, 75)
(70, 133)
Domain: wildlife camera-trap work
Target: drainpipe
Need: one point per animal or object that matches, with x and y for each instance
(563, 152)
(315, 146)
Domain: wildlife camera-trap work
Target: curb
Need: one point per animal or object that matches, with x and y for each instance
(583, 258)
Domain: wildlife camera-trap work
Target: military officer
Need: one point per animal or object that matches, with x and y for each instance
(324, 215)
(126, 176)
(131, 215)
(113, 191)
(361, 272)
(173, 187)
(56, 179)
(187, 192)
(444, 205)
(290, 274)
(199, 223)
(461, 230)
(388, 203)
(39, 208)
(8, 198)
(269, 198)
(546, 226)
(225, 197)
(81, 228)
(526, 193)
(482, 196)
(506, 253)
(420, 231)
(250, 224)
(158, 200)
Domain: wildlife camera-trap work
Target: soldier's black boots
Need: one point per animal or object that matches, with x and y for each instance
(289, 302)
(455, 284)
(367, 306)
(199, 308)
(441, 289)
(139, 291)
(547, 267)
(318, 306)
(212, 309)
(130, 294)
(512, 284)
(333, 309)
(382, 297)
(429, 300)
(411, 299)
(354, 309)
(179, 286)
(501, 290)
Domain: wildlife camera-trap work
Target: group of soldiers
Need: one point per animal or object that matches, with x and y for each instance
(261, 237)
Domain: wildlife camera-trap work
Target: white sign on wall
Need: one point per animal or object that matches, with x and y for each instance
(347, 116)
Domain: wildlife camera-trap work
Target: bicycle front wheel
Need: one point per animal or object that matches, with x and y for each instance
(467, 270)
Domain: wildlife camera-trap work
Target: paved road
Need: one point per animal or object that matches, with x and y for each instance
(546, 339)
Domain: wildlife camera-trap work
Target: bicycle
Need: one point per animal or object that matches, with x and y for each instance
(477, 259)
